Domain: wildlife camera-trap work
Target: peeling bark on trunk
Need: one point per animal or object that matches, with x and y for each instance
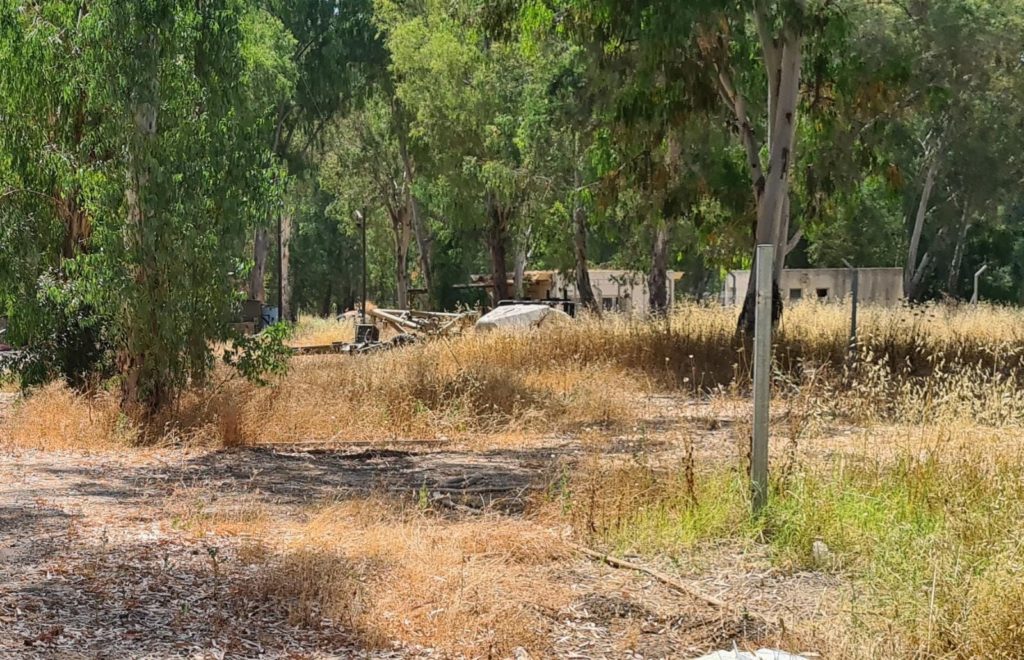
(583, 287)
(657, 280)
(402, 279)
(771, 190)
(914, 271)
(781, 157)
(497, 235)
(425, 245)
(258, 274)
(782, 243)
(77, 227)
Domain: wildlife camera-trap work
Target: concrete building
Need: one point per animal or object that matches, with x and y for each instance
(879, 286)
(616, 290)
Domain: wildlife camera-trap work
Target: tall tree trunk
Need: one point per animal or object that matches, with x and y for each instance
(579, 241)
(782, 244)
(783, 118)
(953, 281)
(425, 245)
(134, 357)
(913, 272)
(401, 224)
(402, 279)
(519, 273)
(424, 241)
(287, 313)
(77, 227)
(522, 257)
(258, 274)
(261, 240)
(657, 280)
(497, 235)
(325, 306)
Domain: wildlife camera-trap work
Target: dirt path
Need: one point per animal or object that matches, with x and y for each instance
(93, 564)
(96, 562)
(90, 566)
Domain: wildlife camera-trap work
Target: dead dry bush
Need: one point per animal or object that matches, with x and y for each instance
(439, 389)
(316, 331)
(477, 587)
(56, 418)
(913, 366)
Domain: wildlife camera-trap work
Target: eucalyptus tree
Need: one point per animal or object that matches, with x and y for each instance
(646, 64)
(558, 133)
(926, 100)
(965, 78)
(334, 49)
(461, 75)
(138, 119)
(368, 165)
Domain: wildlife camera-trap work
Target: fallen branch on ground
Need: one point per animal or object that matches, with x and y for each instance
(677, 585)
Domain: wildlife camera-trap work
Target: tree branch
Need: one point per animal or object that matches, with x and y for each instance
(795, 240)
(738, 104)
(772, 56)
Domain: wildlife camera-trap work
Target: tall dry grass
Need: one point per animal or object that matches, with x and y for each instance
(925, 532)
(913, 364)
(478, 587)
(317, 331)
(55, 418)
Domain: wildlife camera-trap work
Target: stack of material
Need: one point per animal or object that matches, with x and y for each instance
(521, 317)
(415, 322)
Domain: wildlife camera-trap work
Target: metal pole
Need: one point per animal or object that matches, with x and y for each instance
(762, 377)
(977, 274)
(362, 227)
(854, 294)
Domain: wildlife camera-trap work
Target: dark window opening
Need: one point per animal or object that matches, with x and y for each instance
(608, 304)
(822, 294)
(796, 294)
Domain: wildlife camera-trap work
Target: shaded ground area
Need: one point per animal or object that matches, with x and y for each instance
(90, 567)
(93, 562)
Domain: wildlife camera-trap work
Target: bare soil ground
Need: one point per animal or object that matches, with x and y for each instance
(95, 560)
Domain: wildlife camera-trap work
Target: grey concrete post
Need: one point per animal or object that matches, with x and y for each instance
(762, 377)
(854, 294)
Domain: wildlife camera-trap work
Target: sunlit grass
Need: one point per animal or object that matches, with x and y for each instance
(928, 541)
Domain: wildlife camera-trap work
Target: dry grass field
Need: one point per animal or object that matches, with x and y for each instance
(432, 500)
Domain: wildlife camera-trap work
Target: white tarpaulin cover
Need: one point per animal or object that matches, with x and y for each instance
(760, 654)
(521, 317)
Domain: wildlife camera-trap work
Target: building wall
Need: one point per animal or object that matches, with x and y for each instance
(616, 290)
(880, 286)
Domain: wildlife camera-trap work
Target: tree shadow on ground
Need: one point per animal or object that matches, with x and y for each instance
(296, 475)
